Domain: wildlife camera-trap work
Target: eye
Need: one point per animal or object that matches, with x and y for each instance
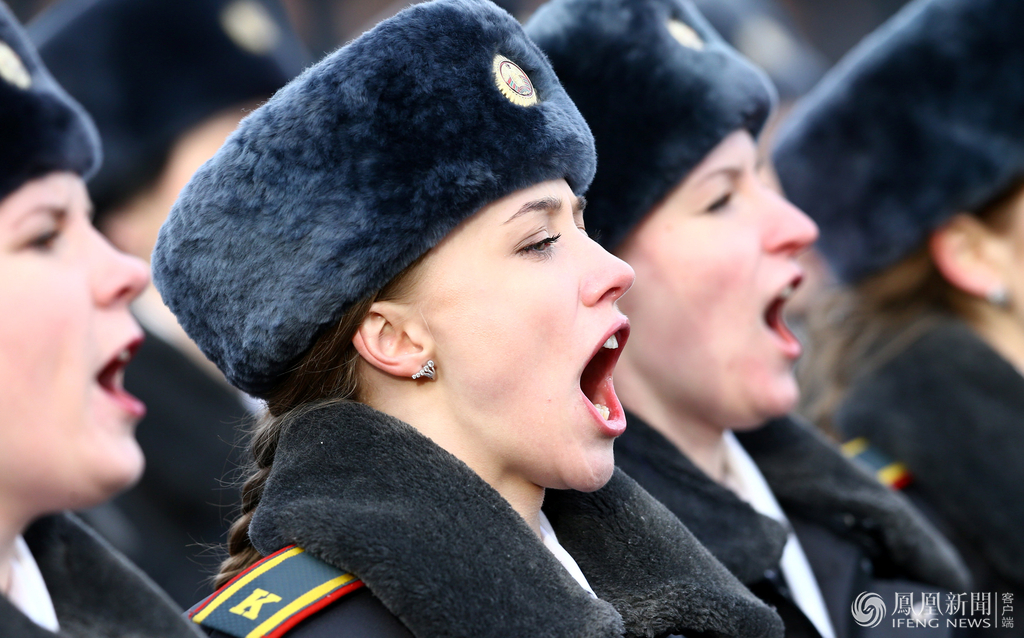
(720, 203)
(45, 241)
(542, 247)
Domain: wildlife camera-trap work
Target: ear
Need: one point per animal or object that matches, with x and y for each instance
(970, 255)
(394, 339)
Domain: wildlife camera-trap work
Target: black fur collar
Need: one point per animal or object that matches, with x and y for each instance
(746, 542)
(446, 554)
(95, 592)
(952, 409)
(811, 480)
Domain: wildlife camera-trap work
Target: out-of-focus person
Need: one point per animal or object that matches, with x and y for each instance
(166, 81)
(66, 335)
(707, 380)
(910, 156)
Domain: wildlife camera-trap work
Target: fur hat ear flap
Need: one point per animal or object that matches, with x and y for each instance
(355, 169)
(923, 119)
(659, 88)
(41, 128)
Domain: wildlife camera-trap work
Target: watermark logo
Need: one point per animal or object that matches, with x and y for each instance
(919, 610)
(868, 609)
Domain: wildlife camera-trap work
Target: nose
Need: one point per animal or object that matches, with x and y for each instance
(117, 278)
(608, 278)
(788, 229)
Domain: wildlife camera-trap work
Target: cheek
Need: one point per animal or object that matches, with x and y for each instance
(692, 294)
(44, 348)
(499, 340)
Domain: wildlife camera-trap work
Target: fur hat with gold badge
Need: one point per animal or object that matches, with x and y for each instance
(41, 128)
(660, 89)
(355, 169)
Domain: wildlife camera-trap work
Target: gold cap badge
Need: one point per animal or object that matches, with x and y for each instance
(513, 82)
(685, 35)
(249, 26)
(12, 69)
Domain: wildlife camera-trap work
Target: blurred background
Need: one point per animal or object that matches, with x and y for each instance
(830, 26)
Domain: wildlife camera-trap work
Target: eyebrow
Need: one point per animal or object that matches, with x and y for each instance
(544, 204)
(729, 172)
(548, 205)
(580, 205)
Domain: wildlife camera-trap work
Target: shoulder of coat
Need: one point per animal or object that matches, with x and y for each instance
(274, 595)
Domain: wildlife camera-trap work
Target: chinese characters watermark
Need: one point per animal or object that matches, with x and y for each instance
(975, 610)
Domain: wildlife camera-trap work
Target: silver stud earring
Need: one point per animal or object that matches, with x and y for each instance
(426, 371)
(998, 297)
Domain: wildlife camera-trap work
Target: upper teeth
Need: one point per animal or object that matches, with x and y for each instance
(124, 356)
(612, 343)
(787, 291)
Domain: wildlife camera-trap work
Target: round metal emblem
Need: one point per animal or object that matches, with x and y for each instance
(250, 26)
(12, 69)
(513, 82)
(685, 35)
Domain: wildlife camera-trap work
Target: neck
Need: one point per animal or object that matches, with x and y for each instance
(1002, 331)
(699, 440)
(420, 410)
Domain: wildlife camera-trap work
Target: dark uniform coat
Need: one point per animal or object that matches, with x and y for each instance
(952, 409)
(167, 523)
(95, 591)
(854, 531)
(442, 554)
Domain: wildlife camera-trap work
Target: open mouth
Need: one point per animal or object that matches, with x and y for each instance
(596, 379)
(111, 379)
(774, 315)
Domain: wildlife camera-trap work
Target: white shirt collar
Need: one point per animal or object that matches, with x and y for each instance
(745, 479)
(547, 535)
(28, 589)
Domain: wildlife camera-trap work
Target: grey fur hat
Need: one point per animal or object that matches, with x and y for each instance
(659, 88)
(923, 119)
(149, 70)
(42, 130)
(355, 169)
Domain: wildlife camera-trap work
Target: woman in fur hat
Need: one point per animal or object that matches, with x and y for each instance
(911, 158)
(166, 81)
(391, 254)
(65, 337)
(707, 381)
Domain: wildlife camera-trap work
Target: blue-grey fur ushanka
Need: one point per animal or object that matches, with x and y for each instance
(659, 88)
(149, 70)
(352, 171)
(923, 119)
(42, 130)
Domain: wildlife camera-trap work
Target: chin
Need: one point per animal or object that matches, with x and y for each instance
(121, 472)
(781, 401)
(594, 478)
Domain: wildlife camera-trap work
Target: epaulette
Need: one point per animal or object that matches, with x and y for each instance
(888, 472)
(274, 595)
